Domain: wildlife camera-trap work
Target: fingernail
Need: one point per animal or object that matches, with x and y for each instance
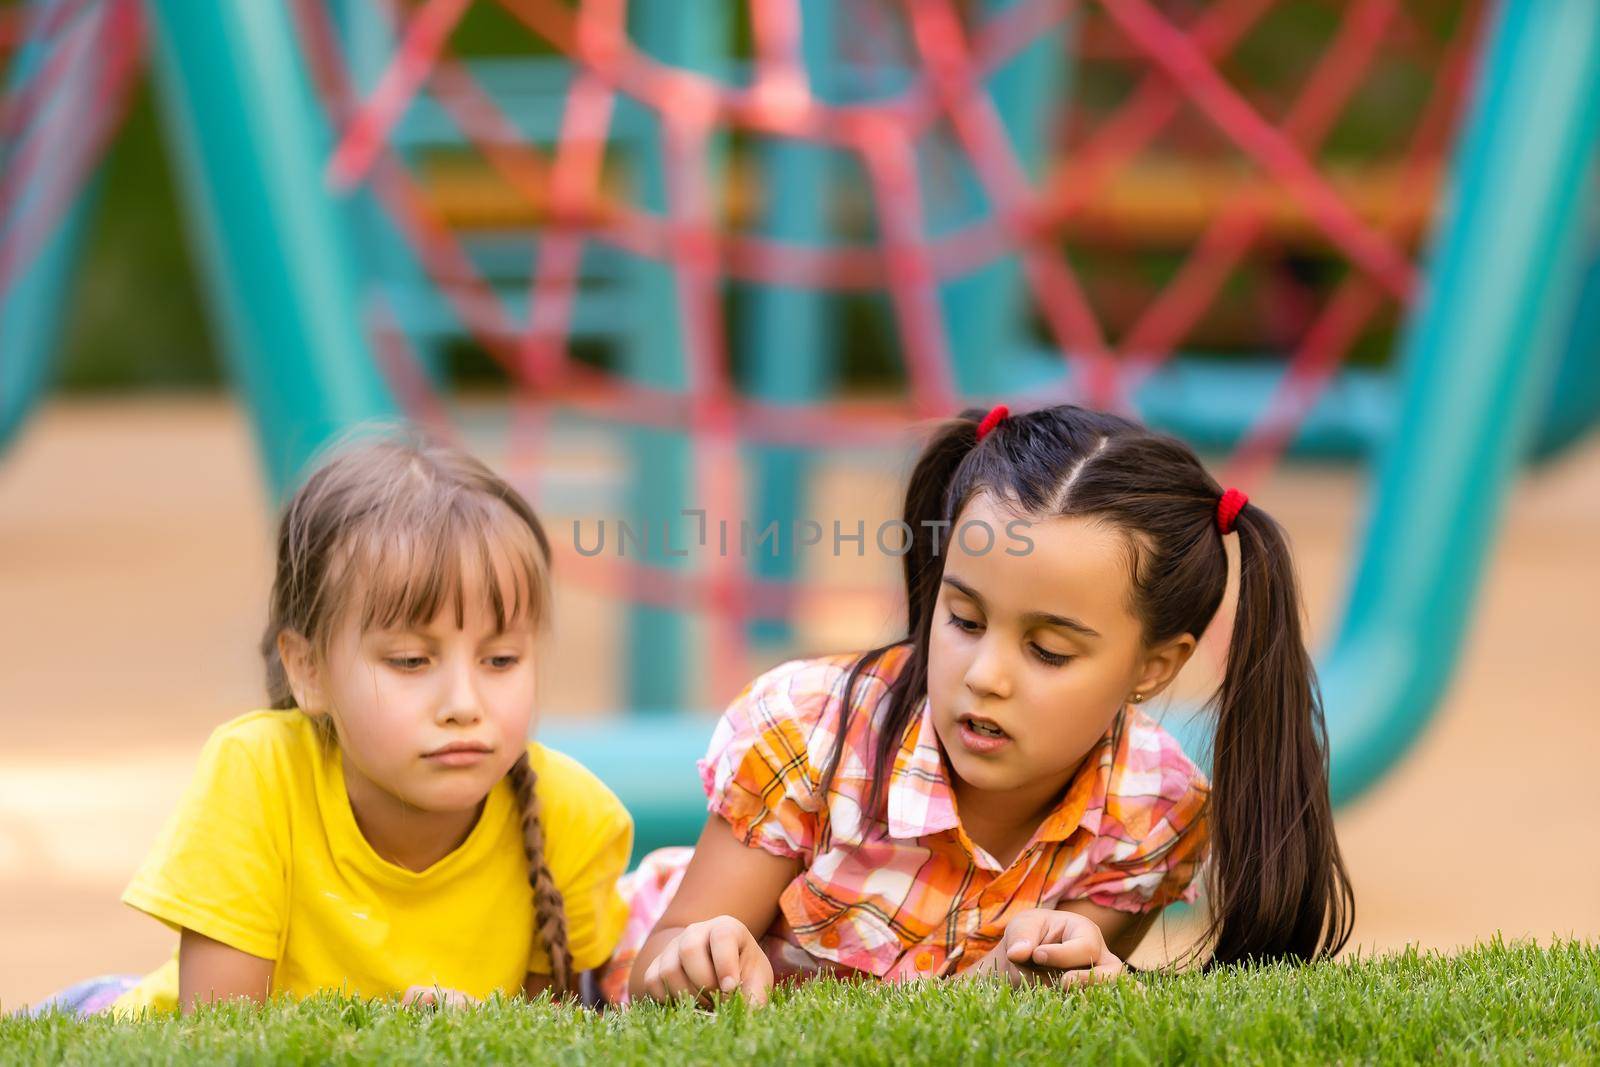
(1022, 946)
(729, 983)
(1039, 955)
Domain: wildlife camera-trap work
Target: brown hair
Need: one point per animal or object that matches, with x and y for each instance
(389, 518)
(1277, 883)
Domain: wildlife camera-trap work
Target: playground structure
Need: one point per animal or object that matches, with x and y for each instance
(318, 141)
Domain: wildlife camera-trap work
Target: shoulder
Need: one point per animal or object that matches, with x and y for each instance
(1152, 779)
(271, 742)
(267, 729)
(576, 806)
(803, 692)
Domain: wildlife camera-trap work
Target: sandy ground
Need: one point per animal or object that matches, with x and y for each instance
(134, 565)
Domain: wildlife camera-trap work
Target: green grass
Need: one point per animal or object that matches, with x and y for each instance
(1495, 1003)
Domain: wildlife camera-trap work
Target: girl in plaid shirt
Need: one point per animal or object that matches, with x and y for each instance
(985, 795)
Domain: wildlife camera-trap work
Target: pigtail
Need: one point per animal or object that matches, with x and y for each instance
(1278, 884)
(549, 910)
(927, 505)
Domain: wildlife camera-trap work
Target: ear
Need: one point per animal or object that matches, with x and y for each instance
(300, 666)
(1162, 664)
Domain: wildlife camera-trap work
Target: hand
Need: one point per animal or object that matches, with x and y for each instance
(1059, 947)
(708, 959)
(432, 996)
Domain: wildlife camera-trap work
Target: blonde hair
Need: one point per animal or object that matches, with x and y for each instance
(390, 518)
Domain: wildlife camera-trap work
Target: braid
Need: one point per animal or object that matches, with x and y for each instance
(548, 908)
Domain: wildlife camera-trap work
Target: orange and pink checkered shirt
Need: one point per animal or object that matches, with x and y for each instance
(918, 898)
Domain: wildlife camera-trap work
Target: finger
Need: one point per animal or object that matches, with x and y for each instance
(694, 958)
(654, 987)
(1088, 977)
(1077, 953)
(755, 974)
(673, 981)
(1059, 927)
(724, 946)
(1025, 933)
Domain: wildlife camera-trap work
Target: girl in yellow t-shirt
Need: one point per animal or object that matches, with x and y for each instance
(387, 828)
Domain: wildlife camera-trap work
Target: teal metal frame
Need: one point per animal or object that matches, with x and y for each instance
(251, 146)
(31, 308)
(1479, 358)
(1498, 361)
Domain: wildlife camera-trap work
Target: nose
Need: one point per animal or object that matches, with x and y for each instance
(987, 674)
(460, 705)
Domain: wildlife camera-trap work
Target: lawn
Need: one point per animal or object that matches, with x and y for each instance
(1497, 1002)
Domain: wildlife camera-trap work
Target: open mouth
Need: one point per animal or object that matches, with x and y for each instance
(983, 727)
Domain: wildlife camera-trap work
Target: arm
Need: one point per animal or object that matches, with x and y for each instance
(209, 970)
(706, 939)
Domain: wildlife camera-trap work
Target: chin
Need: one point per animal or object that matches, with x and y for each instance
(441, 798)
(981, 774)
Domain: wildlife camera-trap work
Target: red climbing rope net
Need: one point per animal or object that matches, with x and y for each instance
(1184, 91)
(1177, 61)
(58, 115)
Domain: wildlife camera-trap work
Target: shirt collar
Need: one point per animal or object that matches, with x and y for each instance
(921, 800)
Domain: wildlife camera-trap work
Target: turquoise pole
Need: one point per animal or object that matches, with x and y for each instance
(31, 306)
(690, 35)
(1574, 406)
(381, 251)
(788, 346)
(985, 311)
(251, 145)
(1478, 358)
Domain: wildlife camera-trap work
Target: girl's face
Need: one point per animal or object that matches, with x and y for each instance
(1031, 656)
(434, 715)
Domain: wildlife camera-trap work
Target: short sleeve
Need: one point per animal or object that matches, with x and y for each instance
(757, 773)
(589, 837)
(1149, 850)
(220, 865)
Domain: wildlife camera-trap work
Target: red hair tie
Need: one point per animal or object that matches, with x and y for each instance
(991, 420)
(1228, 509)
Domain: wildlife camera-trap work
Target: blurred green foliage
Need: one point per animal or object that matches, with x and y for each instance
(135, 317)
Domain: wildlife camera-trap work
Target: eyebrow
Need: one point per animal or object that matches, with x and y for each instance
(1049, 618)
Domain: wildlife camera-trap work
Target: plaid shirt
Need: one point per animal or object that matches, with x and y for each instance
(923, 899)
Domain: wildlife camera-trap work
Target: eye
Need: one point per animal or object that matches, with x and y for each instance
(504, 662)
(1053, 659)
(407, 663)
(967, 626)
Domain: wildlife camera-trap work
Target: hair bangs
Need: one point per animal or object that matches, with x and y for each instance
(403, 570)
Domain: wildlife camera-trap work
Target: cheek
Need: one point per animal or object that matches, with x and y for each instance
(945, 662)
(1081, 707)
(370, 703)
(511, 703)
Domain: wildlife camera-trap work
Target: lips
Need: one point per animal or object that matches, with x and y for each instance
(980, 736)
(458, 754)
(460, 746)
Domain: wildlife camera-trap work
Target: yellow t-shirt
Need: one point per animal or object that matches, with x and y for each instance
(264, 854)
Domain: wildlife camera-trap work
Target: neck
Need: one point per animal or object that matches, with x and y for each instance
(1003, 821)
(404, 835)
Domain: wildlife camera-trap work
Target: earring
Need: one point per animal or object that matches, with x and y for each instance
(1138, 698)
